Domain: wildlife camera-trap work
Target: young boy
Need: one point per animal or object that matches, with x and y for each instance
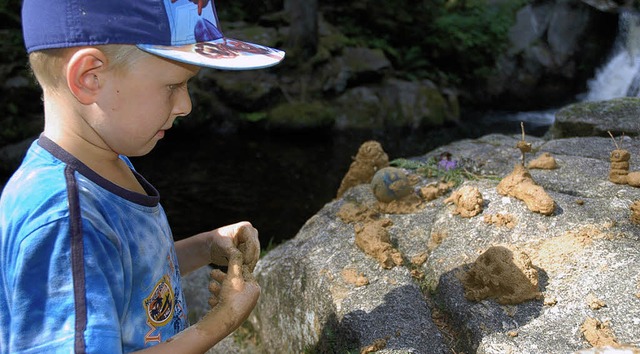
(87, 259)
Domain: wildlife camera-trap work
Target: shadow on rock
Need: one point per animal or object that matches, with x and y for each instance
(497, 293)
(401, 324)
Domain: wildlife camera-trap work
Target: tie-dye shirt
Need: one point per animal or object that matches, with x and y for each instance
(85, 265)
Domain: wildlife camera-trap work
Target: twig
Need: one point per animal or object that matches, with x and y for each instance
(614, 140)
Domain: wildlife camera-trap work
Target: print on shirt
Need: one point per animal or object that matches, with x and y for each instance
(159, 307)
(164, 306)
(160, 303)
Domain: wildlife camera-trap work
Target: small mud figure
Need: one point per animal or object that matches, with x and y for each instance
(503, 275)
(373, 238)
(619, 168)
(369, 159)
(519, 184)
(468, 201)
(523, 145)
(390, 183)
(635, 212)
(543, 162)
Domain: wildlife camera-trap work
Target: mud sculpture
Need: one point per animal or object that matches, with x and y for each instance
(635, 212)
(369, 159)
(519, 184)
(468, 201)
(505, 275)
(373, 238)
(390, 183)
(543, 162)
(619, 167)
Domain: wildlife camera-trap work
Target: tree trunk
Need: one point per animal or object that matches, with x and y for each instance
(302, 41)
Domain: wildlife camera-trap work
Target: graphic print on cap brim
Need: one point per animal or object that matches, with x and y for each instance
(196, 38)
(223, 53)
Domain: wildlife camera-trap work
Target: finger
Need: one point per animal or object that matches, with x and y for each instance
(214, 288)
(234, 269)
(247, 275)
(217, 275)
(249, 245)
(213, 301)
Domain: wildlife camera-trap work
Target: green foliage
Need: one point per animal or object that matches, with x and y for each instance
(255, 116)
(448, 41)
(469, 34)
(301, 115)
(432, 169)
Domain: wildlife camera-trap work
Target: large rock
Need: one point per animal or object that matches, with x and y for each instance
(618, 116)
(554, 48)
(396, 103)
(585, 255)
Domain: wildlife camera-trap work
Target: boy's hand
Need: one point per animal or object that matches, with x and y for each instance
(233, 296)
(240, 236)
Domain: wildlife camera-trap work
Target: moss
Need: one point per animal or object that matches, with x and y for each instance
(334, 42)
(301, 115)
(437, 107)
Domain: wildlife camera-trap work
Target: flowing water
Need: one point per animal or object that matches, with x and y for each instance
(620, 76)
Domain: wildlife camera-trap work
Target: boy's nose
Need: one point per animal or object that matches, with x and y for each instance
(182, 105)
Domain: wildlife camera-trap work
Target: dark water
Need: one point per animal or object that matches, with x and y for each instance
(276, 181)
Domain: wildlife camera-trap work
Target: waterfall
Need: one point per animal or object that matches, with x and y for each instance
(620, 76)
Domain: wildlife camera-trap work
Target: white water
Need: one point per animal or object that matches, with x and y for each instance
(620, 76)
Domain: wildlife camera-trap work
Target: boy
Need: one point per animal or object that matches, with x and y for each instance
(87, 259)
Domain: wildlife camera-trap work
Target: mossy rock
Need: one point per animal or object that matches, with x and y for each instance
(618, 116)
(300, 116)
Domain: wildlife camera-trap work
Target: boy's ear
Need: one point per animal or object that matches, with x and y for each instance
(84, 71)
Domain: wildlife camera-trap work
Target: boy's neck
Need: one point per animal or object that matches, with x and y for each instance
(78, 140)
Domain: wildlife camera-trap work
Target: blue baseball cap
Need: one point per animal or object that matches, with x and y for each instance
(183, 30)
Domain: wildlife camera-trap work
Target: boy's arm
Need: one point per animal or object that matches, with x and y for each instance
(214, 247)
(237, 296)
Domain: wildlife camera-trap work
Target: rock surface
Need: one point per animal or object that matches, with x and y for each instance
(586, 249)
(618, 116)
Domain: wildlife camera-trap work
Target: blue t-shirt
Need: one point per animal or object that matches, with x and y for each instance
(85, 265)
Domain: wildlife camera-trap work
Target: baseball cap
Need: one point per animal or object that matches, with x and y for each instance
(183, 30)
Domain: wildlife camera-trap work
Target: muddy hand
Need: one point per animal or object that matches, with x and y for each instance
(234, 294)
(249, 245)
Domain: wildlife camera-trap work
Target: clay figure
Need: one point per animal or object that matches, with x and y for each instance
(468, 201)
(635, 212)
(619, 168)
(519, 184)
(369, 159)
(373, 238)
(504, 275)
(390, 183)
(543, 162)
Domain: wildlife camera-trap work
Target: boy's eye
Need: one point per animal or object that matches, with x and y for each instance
(174, 87)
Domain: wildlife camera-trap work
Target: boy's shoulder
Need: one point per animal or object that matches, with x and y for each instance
(39, 181)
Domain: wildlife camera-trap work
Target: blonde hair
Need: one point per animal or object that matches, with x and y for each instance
(47, 65)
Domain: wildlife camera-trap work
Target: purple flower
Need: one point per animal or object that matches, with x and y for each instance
(447, 164)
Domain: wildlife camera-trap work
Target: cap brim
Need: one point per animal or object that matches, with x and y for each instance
(223, 53)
